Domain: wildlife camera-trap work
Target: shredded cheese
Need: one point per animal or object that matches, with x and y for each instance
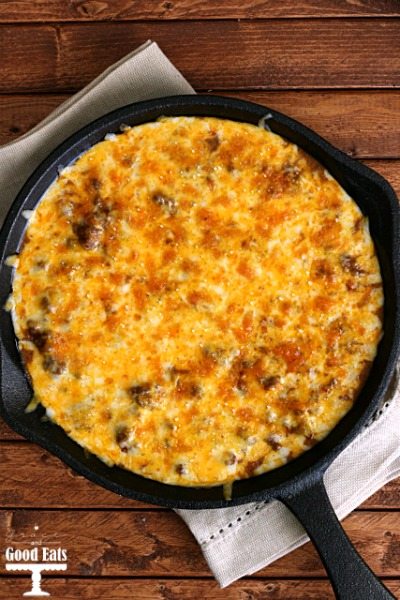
(197, 300)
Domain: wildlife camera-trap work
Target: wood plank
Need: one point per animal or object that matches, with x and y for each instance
(27, 469)
(20, 113)
(75, 589)
(14, 11)
(31, 54)
(363, 123)
(267, 54)
(387, 497)
(6, 433)
(12, 588)
(108, 543)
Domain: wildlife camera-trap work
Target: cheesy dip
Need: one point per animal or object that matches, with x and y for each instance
(197, 300)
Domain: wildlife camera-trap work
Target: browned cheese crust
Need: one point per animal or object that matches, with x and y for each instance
(197, 300)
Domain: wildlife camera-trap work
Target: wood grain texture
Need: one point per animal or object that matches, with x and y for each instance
(26, 470)
(366, 124)
(12, 11)
(167, 589)
(75, 589)
(6, 433)
(29, 54)
(320, 61)
(108, 543)
(219, 55)
(388, 497)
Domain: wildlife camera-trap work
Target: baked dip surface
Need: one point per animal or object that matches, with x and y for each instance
(197, 300)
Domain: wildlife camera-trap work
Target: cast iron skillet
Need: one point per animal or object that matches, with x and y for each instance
(299, 484)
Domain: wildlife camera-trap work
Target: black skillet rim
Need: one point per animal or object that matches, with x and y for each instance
(309, 466)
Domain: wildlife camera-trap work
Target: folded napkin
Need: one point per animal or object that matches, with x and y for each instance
(240, 540)
(145, 73)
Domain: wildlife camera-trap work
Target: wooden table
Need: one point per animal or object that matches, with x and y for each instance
(334, 65)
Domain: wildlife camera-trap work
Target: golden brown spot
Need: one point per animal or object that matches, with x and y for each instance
(253, 465)
(269, 382)
(291, 353)
(27, 355)
(245, 269)
(323, 303)
(321, 270)
(168, 204)
(167, 271)
(349, 264)
(244, 332)
(245, 414)
(198, 297)
(212, 142)
(327, 235)
(169, 255)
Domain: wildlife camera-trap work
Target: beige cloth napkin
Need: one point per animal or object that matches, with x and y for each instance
(145, 73)
(240, 540)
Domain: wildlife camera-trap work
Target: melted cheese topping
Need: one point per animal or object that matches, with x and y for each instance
(197, 300)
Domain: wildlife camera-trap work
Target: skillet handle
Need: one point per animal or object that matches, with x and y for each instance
(351, 578)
